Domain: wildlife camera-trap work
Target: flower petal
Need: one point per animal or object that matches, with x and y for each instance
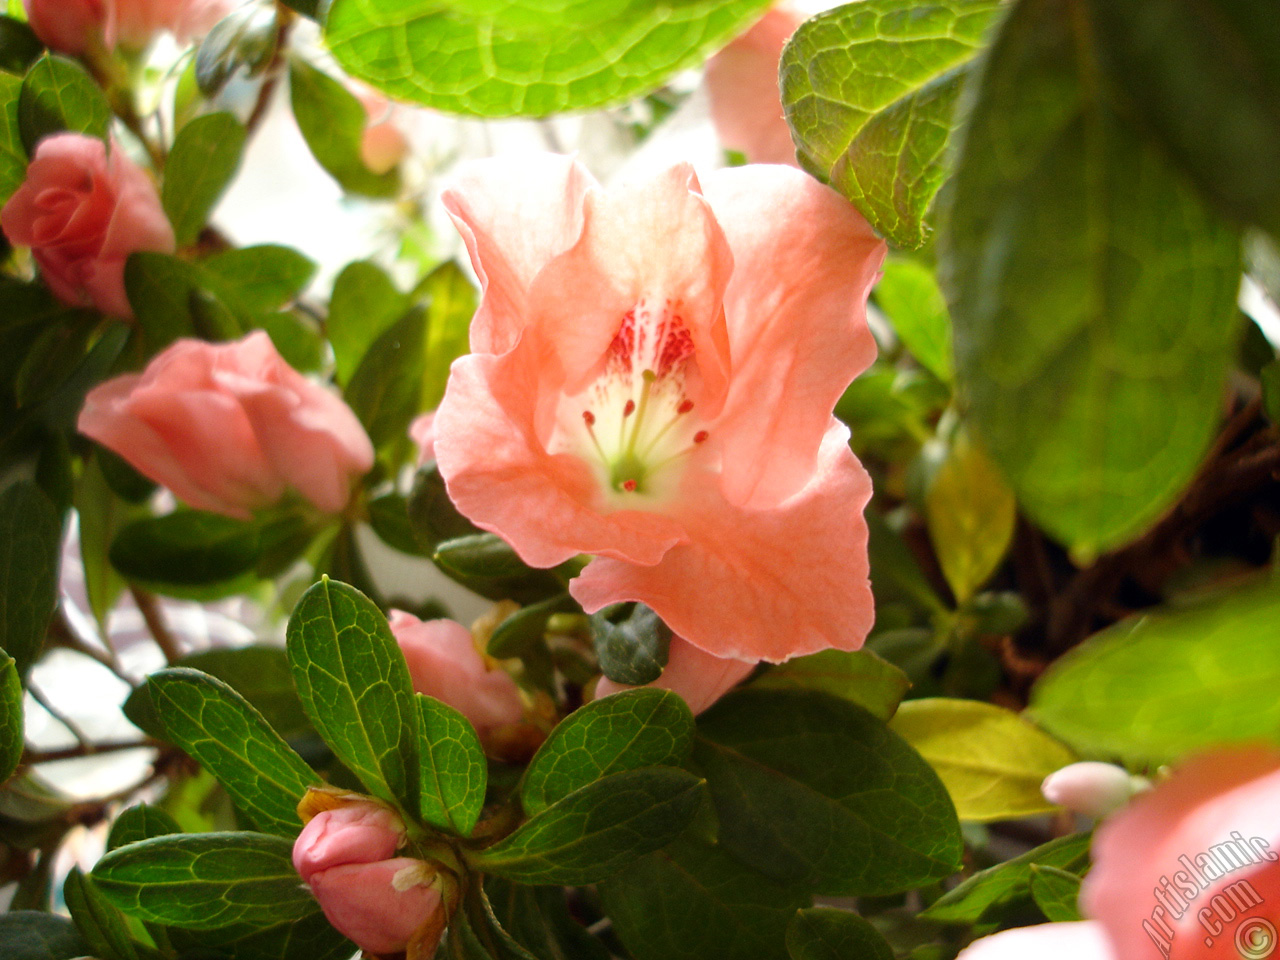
(1082, 940)
(499, 475)
(759, 584)
(515, 214)
(796, 310)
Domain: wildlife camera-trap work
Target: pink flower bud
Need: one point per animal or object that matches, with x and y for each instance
(229, 427)
(383, 144)
(697, 676)
(444, 663)
(380, 902)
(1092, 789)
(423, 433)
(82, 210)
(69, 26)
(76, 26)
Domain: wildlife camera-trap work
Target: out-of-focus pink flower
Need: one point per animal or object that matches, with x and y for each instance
(77, 26)
(423, 433)
(383, 144)
(652, 382)
(444, 663)
(82, 210)
(1091, 788)
(700, 678)
(229, 427)
(381, 902)
(1188, 871)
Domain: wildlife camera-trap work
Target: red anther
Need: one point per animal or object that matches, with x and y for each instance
(629, 486)
(685, 407)
(700, 436)
(629, 409)
(589, 417)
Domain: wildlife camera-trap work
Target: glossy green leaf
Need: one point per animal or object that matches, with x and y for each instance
(386, 388)
(13, 155)
(170, 300)
(58, 95)
(201, 165)
(454, 772)
(365, 302)
(332, 122)
(11, 717)
(30, 541)
(35, 935)
(626, 731)
(529, 57)
(967, 902)
(258, 279)
(230, 739)
(527, 627)
(859, 676)
(991, 760)
(870, 91)
(1055, 893)
(1124, 692)
(479, 555)
(538, 918)
(971, 514)
(140, 822)
(692, 901)
(260, 674)
(355, 687)
(821, 933)
(865, 814)
(1204, 75)
(1093, 293)
(451, 306)
(19, 46)
(204, 881)
(186, 548)
(99, 921)
(908, 294)
(632, 649)
(310, 938)
(596, 830)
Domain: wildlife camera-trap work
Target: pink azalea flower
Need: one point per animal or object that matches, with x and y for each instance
(652, 380)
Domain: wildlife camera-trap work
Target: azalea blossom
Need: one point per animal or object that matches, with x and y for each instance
(652, 381)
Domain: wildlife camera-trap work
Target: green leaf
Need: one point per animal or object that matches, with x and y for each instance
(971, 514)
(99, 921)
(244, 40)
(538, 918)
(859, 676)
(454, 772)
(527, 627)
(332, 122)
(870, 90)
(626, 731)
(365, 302)
(11, 717)
(596, 830)
(187, 548)
(452, 305)
(355, 687)
(633, 650)
(529, 57)
(692, 901)
(311, 938)
(58, 95)
(1093, 294)
(261, 675)
(34, 935)
(19, 46)
(170, 301)
(259, 279)
(865, 814)
(821, 933)
(140, 822)
(479, 555)
(232, 740)
(1124, 692)
(13, 155)
(990, 759)
(30, 541)
(1204, 76)
(385, 390)
(1055, 892)
(909, 295)
(1006, 881)
(206, 880)
(201, 165)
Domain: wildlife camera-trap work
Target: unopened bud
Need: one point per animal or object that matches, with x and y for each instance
(1091, 788)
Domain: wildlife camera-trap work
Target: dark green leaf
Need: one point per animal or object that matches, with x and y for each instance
(1055, 892)
(870, 89)
(34, 935)
(11, 717)
(820, 933)
(629, 730)
(529, 58)
(385, 389)
(58, 95)
(230, 739)
(19, 46)
(258, 279)
(355, 687)
(99, 921)
(308, 8)
(364, 304)
(1205, 77)
(201, 165)
(203, 881)
(1125, 691)
(971, 899)
(633, 650)
(332, 122)
(908, 294)
(1093, 294)
(245, 40)
(160, 289)
(261, 675)
(185, 548)
(864, 813)
(141, 822)
(454, 773)
(13, 155)
(597, 830)
(538, 918)
(389, 517)
(858, 675)
(450, 309)
(310, 938)
(434, 518)
(692, 901)
(297, 336)
(526, 628)
(52, 357)
(479, 555)
(30, 541)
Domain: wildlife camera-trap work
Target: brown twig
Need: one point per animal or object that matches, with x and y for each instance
(149, 607)
(271, 76)
(84, 750)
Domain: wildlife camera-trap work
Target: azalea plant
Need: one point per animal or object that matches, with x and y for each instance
(714, 480)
